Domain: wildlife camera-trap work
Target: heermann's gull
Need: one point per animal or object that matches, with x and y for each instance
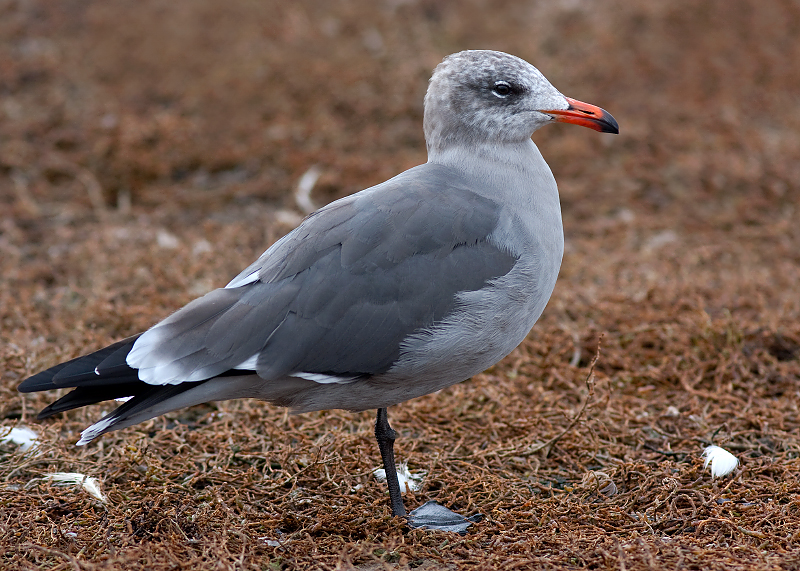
(392, 293)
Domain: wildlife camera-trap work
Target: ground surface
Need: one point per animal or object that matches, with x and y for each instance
(150, 150)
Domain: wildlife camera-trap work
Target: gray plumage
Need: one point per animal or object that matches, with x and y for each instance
(395, 292)
(339, 294)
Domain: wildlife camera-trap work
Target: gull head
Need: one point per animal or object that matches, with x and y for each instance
(479, 97)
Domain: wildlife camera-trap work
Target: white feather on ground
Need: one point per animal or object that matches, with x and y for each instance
(91, 485)
(722, 462)
(408, 482)
(22, 436)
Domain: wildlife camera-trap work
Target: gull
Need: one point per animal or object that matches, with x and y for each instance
(392, 293)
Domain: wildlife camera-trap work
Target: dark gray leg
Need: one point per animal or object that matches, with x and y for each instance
(385, 436)
(429, 515)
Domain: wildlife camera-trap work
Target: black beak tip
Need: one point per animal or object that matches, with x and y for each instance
(608, 124)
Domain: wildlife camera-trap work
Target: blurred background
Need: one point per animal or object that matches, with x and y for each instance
(150, 150)
(156, 102)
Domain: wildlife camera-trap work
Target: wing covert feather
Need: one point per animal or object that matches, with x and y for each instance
(340, 293)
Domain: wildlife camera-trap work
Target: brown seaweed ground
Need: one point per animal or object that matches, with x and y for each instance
(150, 150)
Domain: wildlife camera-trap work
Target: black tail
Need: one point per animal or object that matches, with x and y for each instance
(101, 376)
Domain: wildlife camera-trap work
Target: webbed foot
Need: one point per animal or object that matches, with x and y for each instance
(431, 515)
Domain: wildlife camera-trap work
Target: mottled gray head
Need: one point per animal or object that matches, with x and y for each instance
(482, 96)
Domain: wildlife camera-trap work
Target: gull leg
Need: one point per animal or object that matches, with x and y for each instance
(430, 515)
(385, 436)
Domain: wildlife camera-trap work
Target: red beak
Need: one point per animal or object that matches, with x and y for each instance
(586, 115)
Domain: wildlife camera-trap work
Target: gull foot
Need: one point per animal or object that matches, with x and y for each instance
(431, 515)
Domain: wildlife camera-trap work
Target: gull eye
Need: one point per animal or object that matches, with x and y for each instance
(502, 89)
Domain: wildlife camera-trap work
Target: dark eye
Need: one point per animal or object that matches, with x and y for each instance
(502, 89)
